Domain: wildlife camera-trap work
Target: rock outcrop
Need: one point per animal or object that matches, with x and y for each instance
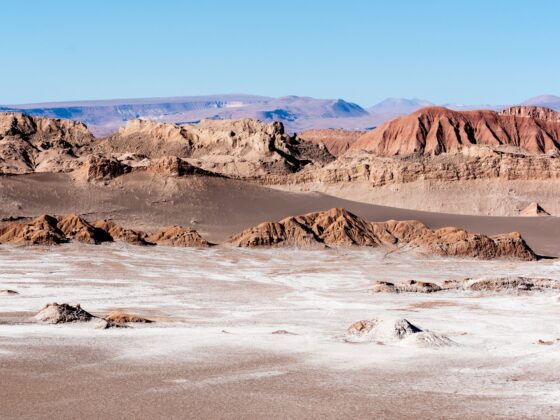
(55, 313)
(392, 331)
(534, 209)
(42, 230)
(338, 227)
(538, 112)
(410, 286)
(336, 141)
(495, 285)
(101, 168)
(50, 230)
(436, 130)
(77, 228)
(29, 144)
(178, 236)
(119, 233)
(474, 163)
(239, 148)
(121, 317)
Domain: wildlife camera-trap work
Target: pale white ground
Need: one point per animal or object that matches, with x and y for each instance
(212, 350)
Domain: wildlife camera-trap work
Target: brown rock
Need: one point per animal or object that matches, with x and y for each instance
(118, 233)
(54, 313)
(42, 230)
(101, 168)
(29, 144)
(120, 317)
(338, 227)
(178, 236)
(74, 227)
(334, 227)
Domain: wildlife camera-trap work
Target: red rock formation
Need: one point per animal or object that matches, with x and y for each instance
(435, 130)
(42, 230)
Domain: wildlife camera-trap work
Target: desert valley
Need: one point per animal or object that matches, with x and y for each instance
(224, 267)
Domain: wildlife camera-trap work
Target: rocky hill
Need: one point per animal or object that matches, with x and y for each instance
(238, 148)
(436, 130)
(338, 227)
(29, 144)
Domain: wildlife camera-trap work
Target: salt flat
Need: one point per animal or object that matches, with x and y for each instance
(212, 353)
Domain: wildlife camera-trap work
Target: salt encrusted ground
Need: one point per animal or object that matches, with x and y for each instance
(212, 353)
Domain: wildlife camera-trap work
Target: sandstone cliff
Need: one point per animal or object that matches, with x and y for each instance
(474, 163)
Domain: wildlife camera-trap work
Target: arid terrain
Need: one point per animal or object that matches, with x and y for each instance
(232, 268)
(240, 333)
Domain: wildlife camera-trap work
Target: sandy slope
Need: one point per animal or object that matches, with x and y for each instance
(218, 207)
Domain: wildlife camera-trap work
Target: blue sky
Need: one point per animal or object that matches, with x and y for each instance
(472, 52)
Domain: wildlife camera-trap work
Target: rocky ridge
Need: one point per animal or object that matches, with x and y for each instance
(237, 148)
(338, 227)
(50, 230)
(475, 163)
(436, 130)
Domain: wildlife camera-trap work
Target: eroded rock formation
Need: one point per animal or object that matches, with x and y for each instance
(178, 236)
(29, 144)
(239, 148)
(338, 227)
(436, 130)
(55, 313)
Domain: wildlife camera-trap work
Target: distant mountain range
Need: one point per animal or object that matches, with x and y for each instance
(296, 112)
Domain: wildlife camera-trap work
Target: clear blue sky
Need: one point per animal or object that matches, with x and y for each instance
(474, 52)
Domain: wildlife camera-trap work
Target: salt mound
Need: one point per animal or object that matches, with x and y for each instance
(413, 286)
(54, 313)
(8, 292)
(393, 330)
(510, 284)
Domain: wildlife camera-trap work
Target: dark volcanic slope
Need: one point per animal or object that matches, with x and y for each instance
(220, 207)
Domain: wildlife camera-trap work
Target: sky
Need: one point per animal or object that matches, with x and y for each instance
(462, 52)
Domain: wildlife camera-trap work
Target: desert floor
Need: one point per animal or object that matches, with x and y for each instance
(212, 354)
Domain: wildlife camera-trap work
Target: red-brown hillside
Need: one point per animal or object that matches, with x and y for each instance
(435, 130)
